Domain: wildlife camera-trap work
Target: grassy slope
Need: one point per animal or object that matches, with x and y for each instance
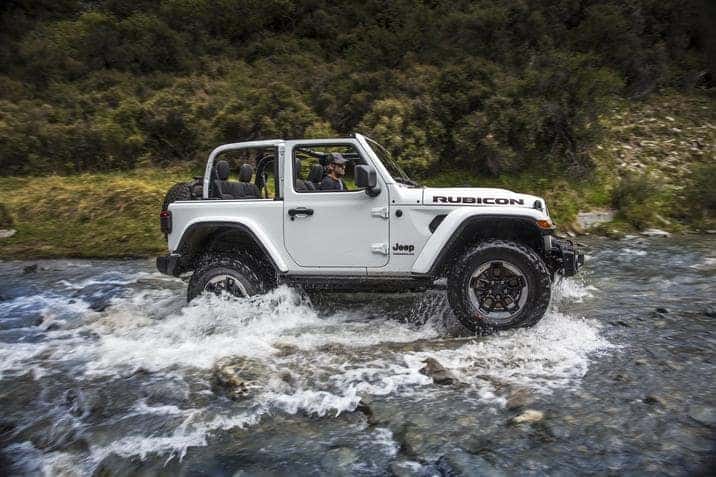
(90, 215)
(116, 214)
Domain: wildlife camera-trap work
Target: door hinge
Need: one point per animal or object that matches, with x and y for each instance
(380, 212)
(381, 248)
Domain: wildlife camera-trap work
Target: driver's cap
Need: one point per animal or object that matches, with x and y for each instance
(336, 158)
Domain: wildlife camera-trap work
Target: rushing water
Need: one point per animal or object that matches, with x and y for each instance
(105, 369)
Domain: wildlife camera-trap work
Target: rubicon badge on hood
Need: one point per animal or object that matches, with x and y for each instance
(477, 200)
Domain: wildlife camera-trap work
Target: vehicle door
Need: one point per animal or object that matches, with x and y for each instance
(330, 228)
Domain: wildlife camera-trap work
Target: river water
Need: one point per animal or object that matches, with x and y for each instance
(105, 369)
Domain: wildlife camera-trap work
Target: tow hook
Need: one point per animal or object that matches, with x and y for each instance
(567, 253)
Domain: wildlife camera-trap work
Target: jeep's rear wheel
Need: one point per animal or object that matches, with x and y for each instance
(225, 274)
(498, 285)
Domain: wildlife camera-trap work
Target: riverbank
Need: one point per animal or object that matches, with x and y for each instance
(654, 168)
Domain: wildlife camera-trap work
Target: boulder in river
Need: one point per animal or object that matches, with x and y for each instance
(433, 369)
(654, 399)
(226, 378)
(518, 399)
(528, 416)
(655, 233)
(704, 414)
(30, 269)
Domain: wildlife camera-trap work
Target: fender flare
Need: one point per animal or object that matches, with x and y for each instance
(450, 232)
(245, 225)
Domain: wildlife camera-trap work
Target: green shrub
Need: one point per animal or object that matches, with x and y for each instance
(701, 195)
(5, 218)
(635, 198)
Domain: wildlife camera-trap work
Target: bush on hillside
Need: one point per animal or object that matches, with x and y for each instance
(635, 199)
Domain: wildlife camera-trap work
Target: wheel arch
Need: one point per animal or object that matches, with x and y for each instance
(475, 228)
(220, 235)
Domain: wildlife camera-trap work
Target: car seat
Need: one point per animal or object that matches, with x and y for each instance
(300, 184)
(315, 176)
(245, 189)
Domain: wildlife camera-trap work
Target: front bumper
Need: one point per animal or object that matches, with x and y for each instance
(564, 256)
(168, 264)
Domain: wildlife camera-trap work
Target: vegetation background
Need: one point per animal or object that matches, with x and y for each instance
(589, 103)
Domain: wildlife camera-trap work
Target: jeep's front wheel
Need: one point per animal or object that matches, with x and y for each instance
(498, 285)
(225, 274)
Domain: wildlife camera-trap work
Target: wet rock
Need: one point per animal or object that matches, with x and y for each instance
(710, 312)
(365, 409)
(653, 399)
(408, 468)
(462, 463)
(29, 269)
(613, 234)
(286, 350)
(655, 233)
(339, 461)
(7, 233)
(528, 416)
(439, 374)
(53, 326)
(661, 309)
(412, 440)
(492, 380)
(139, 371)
(226, 379)
(703, 414)
(287, 377)
(518, 399)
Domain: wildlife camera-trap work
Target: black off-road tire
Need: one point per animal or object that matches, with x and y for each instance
(236, 266)
(524, 258)
(179, 191)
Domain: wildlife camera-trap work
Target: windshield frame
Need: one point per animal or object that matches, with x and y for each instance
(389, 164)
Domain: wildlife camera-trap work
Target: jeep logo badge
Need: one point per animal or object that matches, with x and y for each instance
(403, 249)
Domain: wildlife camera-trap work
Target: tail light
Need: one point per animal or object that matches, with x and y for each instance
(165, 221)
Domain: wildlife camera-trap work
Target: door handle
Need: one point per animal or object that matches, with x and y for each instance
(299, 211)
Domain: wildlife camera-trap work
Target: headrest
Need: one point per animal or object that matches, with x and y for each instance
(316, 173)
(222, 170)
(297, 168)
(245, 173)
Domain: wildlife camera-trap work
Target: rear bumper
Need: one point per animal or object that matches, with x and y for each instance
(565, 256)
(168, 264)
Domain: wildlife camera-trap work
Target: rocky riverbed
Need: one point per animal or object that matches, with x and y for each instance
(105, 370)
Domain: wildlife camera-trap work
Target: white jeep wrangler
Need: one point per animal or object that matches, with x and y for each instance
(382, 232)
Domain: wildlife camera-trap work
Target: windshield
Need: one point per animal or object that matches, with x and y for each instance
(393, 168)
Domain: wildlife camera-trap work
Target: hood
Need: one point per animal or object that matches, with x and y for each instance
(477, 196)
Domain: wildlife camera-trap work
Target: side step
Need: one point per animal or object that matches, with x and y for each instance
(363, 284)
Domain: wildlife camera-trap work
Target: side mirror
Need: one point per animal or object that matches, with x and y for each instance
(367, 178)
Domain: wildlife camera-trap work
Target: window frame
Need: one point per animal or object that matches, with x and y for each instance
(325, 144)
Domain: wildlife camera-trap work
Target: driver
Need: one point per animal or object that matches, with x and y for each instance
(335, 170)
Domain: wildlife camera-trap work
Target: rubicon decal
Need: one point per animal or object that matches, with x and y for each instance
(403, 249)
(477, 200)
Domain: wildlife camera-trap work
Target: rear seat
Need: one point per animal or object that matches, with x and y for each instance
(243, 189)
